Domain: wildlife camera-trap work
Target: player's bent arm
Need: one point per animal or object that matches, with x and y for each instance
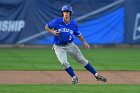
(84, 41)
(49, 30)
(54, 32)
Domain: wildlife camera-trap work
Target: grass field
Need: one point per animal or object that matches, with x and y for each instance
(69, 88)
(45, 59)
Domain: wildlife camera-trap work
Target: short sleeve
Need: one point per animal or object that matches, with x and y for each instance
(76, 31)
(52, 24)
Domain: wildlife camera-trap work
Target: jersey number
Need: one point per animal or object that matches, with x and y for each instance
(70, 37)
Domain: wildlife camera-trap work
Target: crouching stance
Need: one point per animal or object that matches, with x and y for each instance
(64, 30)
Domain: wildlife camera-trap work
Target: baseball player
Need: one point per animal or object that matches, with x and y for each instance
(64, 29)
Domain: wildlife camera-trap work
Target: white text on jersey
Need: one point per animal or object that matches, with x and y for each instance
(65, 30)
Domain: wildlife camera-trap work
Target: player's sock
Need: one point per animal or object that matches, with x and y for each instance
(90, 68)
(70, 71)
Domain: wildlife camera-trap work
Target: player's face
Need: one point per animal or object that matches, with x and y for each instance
(66, 14)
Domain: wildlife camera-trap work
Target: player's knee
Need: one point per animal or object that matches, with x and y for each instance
(65, 65)
(84, 62)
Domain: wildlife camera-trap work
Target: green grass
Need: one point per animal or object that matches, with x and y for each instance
(45, 59)
(69, 88)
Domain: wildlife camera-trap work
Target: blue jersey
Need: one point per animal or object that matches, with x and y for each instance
(67, 31)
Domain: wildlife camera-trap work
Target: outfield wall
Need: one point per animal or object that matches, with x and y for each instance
(100, 21)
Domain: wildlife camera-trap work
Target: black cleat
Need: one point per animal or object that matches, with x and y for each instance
(101, 78)
(75, 80)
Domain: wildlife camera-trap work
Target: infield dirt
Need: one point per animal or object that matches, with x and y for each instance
(61, 77)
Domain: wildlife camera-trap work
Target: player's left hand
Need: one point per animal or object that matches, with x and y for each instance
(86, 45)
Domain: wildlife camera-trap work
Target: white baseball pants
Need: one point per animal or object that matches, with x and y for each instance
(73, 50)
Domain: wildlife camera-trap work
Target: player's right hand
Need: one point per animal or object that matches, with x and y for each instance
(56, 33)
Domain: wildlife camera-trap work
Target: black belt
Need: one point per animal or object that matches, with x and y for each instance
(63, 44)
